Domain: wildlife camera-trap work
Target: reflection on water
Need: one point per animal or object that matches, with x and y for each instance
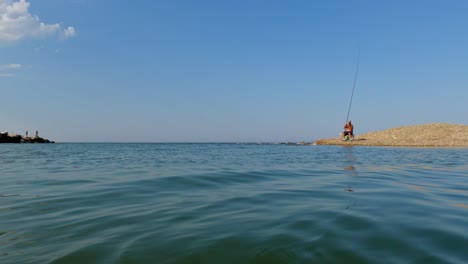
(350, 161)
(456, 191)
(435, 188)
(415, 187)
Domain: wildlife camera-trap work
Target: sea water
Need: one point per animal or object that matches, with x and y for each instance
(232, 203)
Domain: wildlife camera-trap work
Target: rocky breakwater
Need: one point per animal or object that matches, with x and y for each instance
(5, 137)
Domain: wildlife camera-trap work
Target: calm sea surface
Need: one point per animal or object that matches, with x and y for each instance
(232, 203)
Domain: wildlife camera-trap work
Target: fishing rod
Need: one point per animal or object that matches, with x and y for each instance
(354, 85)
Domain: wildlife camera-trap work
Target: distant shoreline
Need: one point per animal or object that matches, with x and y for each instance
(426, 135)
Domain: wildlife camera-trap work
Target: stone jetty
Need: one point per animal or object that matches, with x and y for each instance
(6, 137)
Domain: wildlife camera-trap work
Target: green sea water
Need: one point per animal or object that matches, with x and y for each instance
(232, 203)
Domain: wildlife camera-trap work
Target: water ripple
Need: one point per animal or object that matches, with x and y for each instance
(227, 203)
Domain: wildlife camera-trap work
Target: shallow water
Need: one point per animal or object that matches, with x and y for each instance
(232, 203)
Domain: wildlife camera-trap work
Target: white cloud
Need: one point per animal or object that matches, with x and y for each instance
(69, 32)
(6, 68)
(10, 66)
(16, 23)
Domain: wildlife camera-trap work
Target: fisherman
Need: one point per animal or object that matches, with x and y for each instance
(348, 131)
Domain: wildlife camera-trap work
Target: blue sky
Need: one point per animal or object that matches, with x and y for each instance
(210, 71)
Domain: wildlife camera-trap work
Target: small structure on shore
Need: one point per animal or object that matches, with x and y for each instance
(427, 135)
(6, 137)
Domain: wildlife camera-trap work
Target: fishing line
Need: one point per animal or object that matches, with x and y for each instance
(354, 85)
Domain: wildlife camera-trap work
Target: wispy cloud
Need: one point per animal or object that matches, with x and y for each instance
(16, 23)
(5, 69)
(69, 32)
(10, 66)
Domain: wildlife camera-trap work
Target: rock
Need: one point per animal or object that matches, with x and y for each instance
(5, 137)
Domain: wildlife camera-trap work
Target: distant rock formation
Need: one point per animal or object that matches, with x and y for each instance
(5, 137)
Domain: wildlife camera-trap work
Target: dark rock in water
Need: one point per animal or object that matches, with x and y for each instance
(6, 138)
